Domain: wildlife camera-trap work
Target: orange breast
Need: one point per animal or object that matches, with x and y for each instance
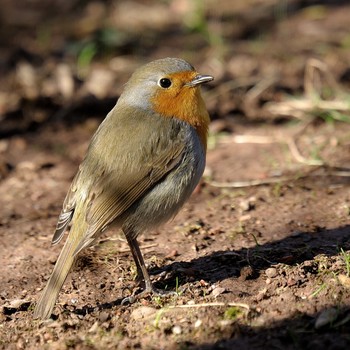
(185, 103)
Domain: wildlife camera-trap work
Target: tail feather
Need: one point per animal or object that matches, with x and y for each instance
(46, 303)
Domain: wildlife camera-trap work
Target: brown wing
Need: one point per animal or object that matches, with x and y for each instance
(111, 197)
(67, 211)
(128, 175)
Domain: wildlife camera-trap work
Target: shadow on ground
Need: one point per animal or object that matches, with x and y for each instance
(222, 265)
(298, 332)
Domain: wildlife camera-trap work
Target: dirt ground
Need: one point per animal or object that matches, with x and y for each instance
(260, 255)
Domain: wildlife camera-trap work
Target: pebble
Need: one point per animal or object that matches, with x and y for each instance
(344, 280)
(325, 317)
(176, 330)
(225, 323)
(198, 323)
(203, 283)
(104, 316)
(217, 291)
(247, 204)
(93, 328)
(261, 295)
(291, 282)
(47, 336)
(271, 272)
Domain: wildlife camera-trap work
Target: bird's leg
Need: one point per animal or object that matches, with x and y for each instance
(142, 273)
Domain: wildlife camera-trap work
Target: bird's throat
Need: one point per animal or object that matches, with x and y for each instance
(187, 105)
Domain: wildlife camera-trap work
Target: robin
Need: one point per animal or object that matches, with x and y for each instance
(142, 164)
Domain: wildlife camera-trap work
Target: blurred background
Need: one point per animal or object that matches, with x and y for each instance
(62, 60)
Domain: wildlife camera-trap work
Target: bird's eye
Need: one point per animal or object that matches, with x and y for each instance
(164, 83)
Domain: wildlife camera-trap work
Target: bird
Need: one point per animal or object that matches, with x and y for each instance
(142, 164)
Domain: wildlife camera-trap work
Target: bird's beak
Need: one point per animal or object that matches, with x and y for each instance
(200, 79)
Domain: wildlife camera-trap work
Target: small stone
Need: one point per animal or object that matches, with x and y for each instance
(93, 328)
(104, 316)
(176, 330)
(47, 336)
(291, 282)
(271, 272)
(203, 283)
(261, 295)
(326, 317)
(225, 323)
(198, 323)
(217, 291)
(247, 204)
(344, 280)
(71, 323)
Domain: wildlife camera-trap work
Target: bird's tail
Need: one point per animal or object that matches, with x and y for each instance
(47, 300)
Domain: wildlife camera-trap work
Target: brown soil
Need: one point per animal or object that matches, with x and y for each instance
(259, 256)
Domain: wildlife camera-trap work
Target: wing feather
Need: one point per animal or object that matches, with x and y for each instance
(121, 186)
(67, 212)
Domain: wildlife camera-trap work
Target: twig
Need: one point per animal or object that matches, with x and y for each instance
(290, 141)
(253, 139)
(298, 108)
(226, 87)
(312, 100)
(267, 181)
(314, 65)
(250, 183)
(259, 88)
(297, 155)
(189, 306)
(127, 249)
